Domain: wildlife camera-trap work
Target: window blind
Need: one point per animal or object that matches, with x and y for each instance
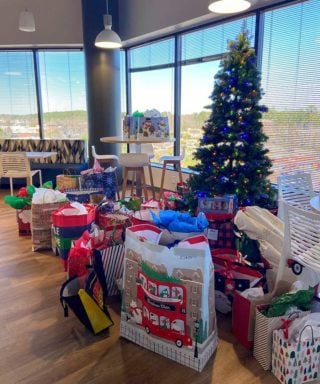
(291, 82)
(18, 106)
(63, 94)
(153, 55)
(213, 41)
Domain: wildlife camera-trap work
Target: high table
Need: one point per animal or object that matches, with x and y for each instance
(315, 204)
(137, 142)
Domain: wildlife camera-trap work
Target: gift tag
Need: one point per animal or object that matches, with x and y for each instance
(212, 234)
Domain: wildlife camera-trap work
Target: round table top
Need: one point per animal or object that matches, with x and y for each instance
(315, 203)
(146, 140)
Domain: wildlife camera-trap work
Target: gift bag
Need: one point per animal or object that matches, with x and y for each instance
(220, 232)
(67, 181)
(105, 181)
(295, 362)
(108, 264)
(232, 275)
(87, 302)
(41, 224)
(264, 327)
(168, 296)
(24, 221)
(244, 313)
(69, 223)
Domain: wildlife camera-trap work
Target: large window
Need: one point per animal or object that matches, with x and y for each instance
(291, 82)
(42, 86)
(18, 102)
(152, 84)
(201, 53)
(63, 94)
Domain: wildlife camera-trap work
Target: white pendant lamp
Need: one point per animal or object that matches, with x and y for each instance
(26, 21)
(108, 39)
(228, 6)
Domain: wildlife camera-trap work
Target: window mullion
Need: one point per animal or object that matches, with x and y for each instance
(38, 92)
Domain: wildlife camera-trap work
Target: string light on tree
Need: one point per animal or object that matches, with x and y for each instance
(238, 159)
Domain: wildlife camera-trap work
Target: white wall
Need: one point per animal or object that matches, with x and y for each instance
(58, 22)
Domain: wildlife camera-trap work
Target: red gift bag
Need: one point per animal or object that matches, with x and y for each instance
(67, 216)
(220, 232)
(24, 220)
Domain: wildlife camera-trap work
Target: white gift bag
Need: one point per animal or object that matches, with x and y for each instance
(168, 296)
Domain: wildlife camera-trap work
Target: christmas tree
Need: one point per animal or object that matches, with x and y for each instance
(231, 155)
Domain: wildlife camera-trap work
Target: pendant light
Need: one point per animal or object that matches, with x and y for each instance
(228, 6)
(107, 38)
(26, 21)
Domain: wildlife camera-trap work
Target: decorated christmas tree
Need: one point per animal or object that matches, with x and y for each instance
(231, 156)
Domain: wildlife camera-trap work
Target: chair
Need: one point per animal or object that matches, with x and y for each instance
(148, 149)
(294, 189)
(134, 162)
(15, 165)
(302, 239)
(112, 160)
(176, 162)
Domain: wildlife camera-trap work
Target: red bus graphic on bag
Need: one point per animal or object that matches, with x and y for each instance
(162, 308)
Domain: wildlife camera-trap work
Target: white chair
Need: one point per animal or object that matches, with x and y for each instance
(15, 165)
(148, 149)
(112, 160)
(134, 162)
(302, 239)
(294, 189)
(176, 162)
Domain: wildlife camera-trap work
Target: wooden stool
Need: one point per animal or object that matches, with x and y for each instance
(112, 160)
(176, 162)
(134, 162)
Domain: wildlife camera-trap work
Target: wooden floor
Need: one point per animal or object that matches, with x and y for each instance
(39, 345)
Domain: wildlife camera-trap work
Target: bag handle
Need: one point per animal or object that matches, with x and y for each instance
(307, 326)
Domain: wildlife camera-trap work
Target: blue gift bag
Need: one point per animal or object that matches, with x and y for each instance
(105, 181)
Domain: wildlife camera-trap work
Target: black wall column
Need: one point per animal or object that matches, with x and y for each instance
(102, 77)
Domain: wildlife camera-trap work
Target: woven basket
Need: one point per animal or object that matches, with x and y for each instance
(41, 224)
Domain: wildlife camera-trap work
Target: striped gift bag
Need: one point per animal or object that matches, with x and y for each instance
(108, 264)
(262, 350)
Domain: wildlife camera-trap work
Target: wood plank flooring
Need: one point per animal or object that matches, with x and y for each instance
(39, 346)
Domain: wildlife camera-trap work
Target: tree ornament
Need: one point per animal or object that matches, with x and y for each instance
(238, 163)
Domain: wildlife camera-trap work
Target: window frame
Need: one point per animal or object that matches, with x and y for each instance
(178, 63)
(35, 55)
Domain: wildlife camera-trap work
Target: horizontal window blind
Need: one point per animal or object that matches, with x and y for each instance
(291, 82)
(152, 55)
(18, 105)
(213, 41)
(63, 93)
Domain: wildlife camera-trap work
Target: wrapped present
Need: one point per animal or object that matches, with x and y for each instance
(219, 205)
(152, 204)
(182, 188)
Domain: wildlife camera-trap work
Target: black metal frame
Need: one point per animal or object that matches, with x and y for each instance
(35, 55)
(259, 17)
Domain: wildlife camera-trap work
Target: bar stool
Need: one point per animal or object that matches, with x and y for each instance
(112, 160)
(148, 149)
(134, 162)
(176, 162)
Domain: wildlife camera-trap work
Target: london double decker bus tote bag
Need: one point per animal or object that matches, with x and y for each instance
(168, 297)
